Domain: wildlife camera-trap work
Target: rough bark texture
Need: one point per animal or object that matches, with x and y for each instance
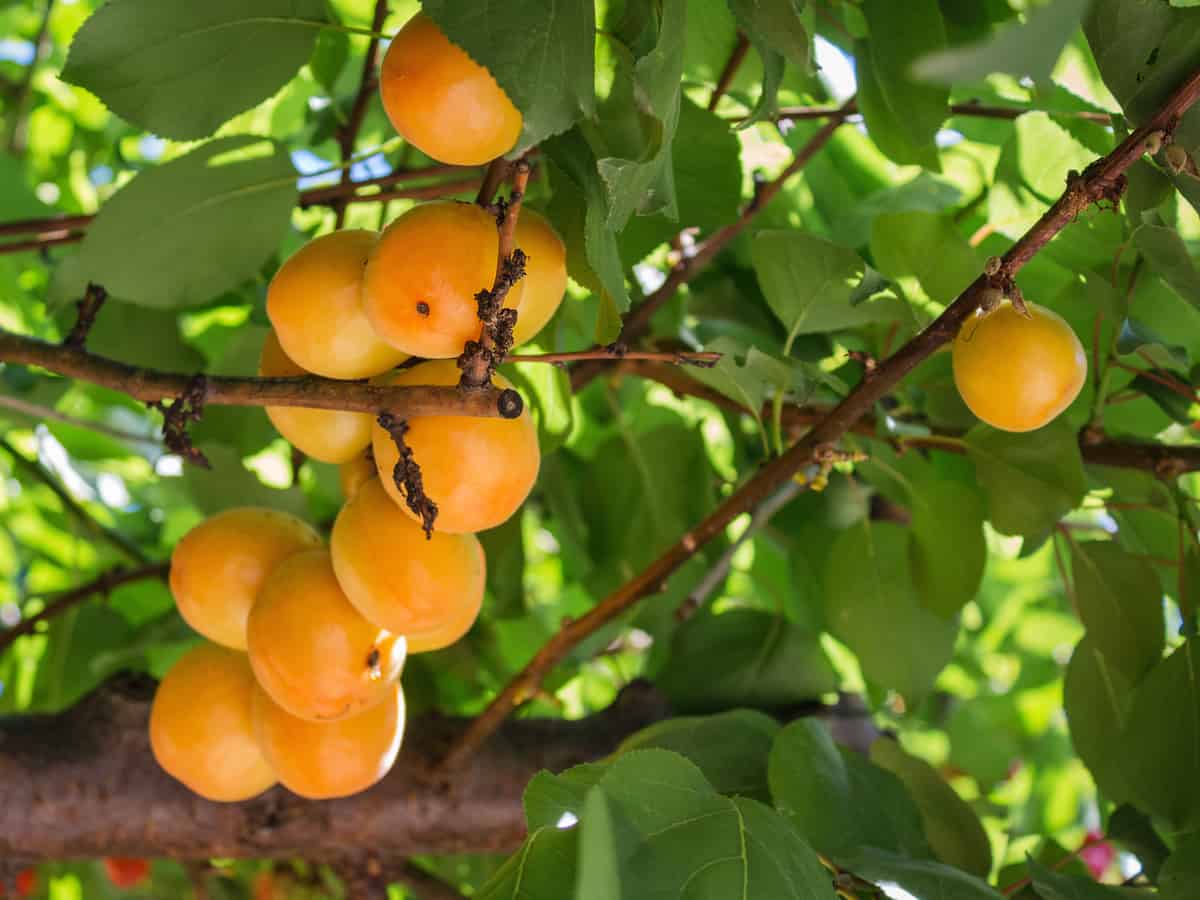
(84, 784)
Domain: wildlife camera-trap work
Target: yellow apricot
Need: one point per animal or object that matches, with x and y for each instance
(219, 566)
(478, 471)
(202, 729)
(325, 760)
(315, 304)
(545, 279)
(329, 435)
(1018, 373)
(430, 591)
(356, 472)
(422, 277)
(443, 102)
(310, 648)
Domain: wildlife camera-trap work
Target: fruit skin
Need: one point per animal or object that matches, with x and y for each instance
(324, 760)
(545, 279)
(311, 650)
(430, 591)
(422, 276)
(328, 435)
(219, 566)
(353, 474)
(1018, 374)
(201, 727)
(126, 873)
(315, 304)
(477, 471)
(442, 101)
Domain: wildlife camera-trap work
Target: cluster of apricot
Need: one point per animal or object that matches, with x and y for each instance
(299, 682)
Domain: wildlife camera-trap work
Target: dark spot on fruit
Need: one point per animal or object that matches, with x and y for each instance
(373, 659)
(423, 308)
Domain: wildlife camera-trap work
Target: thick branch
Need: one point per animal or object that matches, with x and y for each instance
(1102, 180)
(150, 385)
(101, 584)
(637, 322)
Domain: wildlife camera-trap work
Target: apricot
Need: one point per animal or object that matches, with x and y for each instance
(311, 650)
(324, 760)
(328, 435)
(1018, 373)
(545, 279)
(201, 727)
(478, 471)
(353, 474)
(443, 102)
(219, 566)
(422, 277)
(430, 591)
(126, 873)
(315, 304)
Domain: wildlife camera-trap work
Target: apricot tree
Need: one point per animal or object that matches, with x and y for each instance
(639, 449)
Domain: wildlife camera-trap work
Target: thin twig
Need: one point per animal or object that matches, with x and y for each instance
(33, 410)
(731, 67)
(638, 319)
(347, 133)
(497, 172)
(1102, 180)
(703, 359)
(52, 239)
(151, 385)
(72, 506)
(407, 474)
(89, 307)
(18, 108)
(980, 110)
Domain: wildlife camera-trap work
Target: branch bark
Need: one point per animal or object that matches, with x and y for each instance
(151, 385)
(978, 110)
(1102, 180)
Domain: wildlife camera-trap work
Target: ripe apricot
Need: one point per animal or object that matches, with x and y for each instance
(429, 591)
(545, 279)
(443, 102)
(310, 648)
(126, 873)
(328, 435)
(353, 474)
(421, 279)
(219, 566)
(477, 471)
(1018, 373)
(201, 727)
(324, 760)
(315, 304)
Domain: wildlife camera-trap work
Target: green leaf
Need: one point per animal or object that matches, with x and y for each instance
(1031, 479)
(730, 748)
(920, 877)
(229, 483)
(785, 27)
(744, 657)
(1167, 255)
(954, 832)
(180, 69)
(537, 871)
(547, 391)
(948, 546)
(902, 115)
(1030, 48)
(1161, 744)
(1096, 698)
(74, 640)
(927, 247)
(548, 797)
(543, 55)
(809, 283)
(580, 210)
(1052, 885)
(505, 553)
(1181, 874)
(1120, 604)
(1134, 831)
(651, 94)
(329, 58)
(748, 382)
(186, 232)
(838, 800)
(872, 606)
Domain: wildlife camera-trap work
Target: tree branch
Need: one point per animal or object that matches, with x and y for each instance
(151, 385)
(20, 103)
(60, 603)
(43, 413)
(637, 322)
(73, 507)
(971, 108)
(1102, 180)
(617, 353)
(729, 71)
